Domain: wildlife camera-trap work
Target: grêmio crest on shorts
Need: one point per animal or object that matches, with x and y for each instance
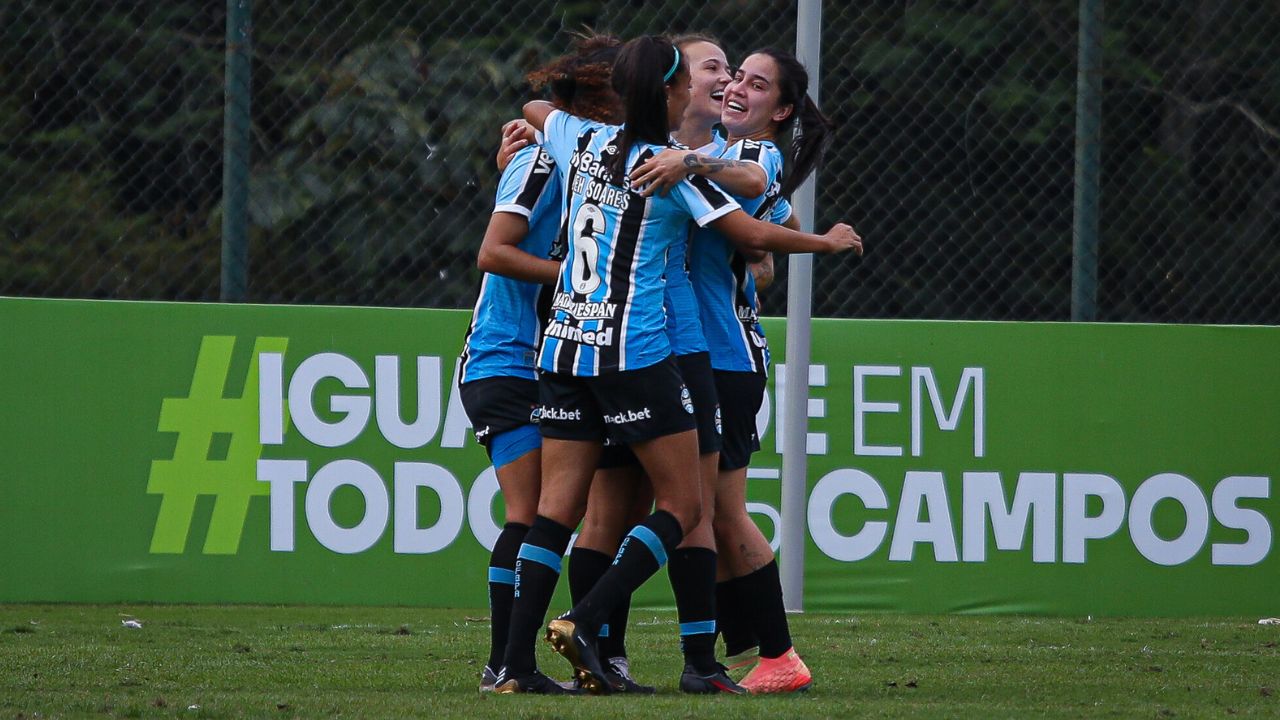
(607, 311)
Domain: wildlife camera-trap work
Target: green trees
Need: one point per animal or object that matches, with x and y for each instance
(375, 124)
(109, 121)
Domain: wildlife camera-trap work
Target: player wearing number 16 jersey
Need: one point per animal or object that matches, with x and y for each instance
(607, 310)
(605, 358)
(766, 97)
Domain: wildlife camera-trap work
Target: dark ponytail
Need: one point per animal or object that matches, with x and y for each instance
(641, 75)
(813, 130)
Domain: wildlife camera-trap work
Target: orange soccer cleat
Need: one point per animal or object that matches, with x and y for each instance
(784, 674)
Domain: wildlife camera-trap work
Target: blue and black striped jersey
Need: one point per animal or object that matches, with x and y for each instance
(607, 312)
(506, 325)
(722, 281)
(684, 322)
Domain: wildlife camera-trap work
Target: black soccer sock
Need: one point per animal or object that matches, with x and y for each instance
(763, 592)
(693, 579)
(502, 581)
(586, 567)
(643, 552)
(731, 617)
(614, 643)
(537, 570)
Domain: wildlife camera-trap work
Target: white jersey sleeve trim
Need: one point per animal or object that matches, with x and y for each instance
(514, 209)
(716, 214)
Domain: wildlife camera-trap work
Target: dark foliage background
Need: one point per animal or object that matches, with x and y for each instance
(375, 122)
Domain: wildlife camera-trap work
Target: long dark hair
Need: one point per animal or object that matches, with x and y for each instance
(581, 82)
(640, 77)
(813, 130)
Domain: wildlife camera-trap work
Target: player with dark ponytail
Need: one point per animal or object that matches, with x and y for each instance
(812, 129)
(620, 494)
(606, 367)
(767, 98)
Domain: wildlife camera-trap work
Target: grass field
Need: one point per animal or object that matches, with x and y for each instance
(284, 662)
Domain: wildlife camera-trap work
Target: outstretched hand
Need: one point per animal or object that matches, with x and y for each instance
(843, 237)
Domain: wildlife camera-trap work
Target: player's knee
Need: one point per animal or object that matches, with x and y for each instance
(728, 524)
(521, 514)
(691, 517)
(688, 514)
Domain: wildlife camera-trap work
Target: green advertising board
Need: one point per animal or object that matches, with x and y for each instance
(1042, 468)
(236, 453)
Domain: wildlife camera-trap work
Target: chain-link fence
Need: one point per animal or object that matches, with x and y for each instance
(374, 125)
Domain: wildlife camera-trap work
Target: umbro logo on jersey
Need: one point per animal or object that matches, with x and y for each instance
(628, 416)
(564, 331)
(550, 413)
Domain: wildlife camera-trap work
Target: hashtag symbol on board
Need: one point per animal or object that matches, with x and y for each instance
(216, 452)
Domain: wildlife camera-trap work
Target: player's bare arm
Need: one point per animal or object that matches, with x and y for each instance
(750, 234)
(536, 112)
(661, 173)
(500, 253)
(763, 271)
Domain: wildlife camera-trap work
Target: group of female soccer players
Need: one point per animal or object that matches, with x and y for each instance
(614, 365)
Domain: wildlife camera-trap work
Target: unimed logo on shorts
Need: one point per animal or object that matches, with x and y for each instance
(328, 401)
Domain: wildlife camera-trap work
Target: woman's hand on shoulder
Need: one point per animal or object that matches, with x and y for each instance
(661, 172)
(516, 135)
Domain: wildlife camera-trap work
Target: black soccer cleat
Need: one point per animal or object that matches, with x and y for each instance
(696, 683)
(618, 672)
(579, 648)
(535, 684)
(488, 679)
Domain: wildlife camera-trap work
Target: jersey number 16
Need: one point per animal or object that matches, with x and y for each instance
(586, 249)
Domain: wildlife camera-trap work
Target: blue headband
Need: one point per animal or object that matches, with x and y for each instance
(675, 65)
